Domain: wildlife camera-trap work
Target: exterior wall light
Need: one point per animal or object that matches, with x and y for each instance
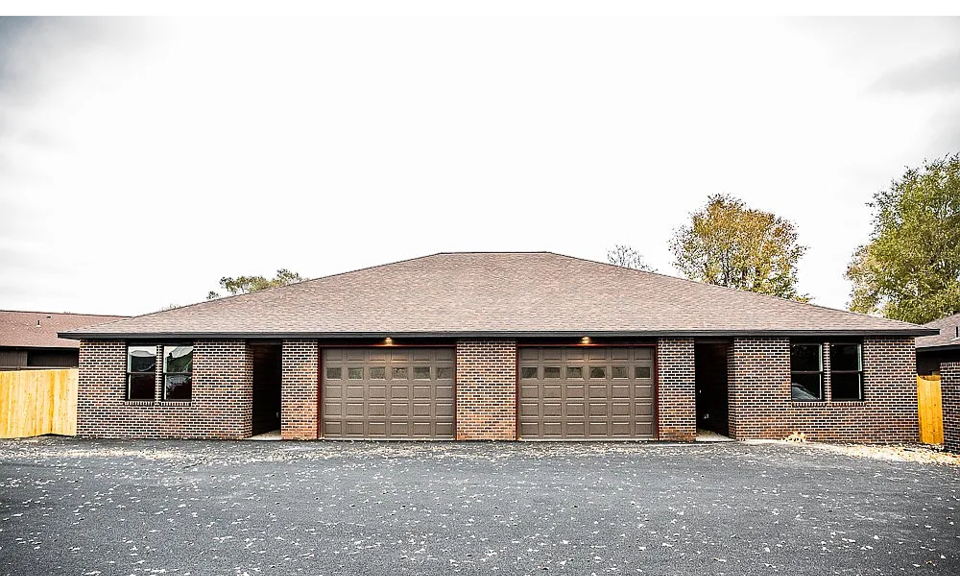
(585, 340)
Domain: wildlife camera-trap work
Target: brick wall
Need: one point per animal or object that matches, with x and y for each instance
(220, 407)
(486, 390)
(761, 405)
(950, 393)
(676, 391)
(298, 390)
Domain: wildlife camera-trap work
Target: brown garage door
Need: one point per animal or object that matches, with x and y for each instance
(586, 393)
(388, 393)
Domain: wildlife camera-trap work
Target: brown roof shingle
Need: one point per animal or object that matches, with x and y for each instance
(39, 329)
(947, 333)
(496, 294)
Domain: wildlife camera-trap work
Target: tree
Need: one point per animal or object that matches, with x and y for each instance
(244, 284)
(627, 257)
(729, 244)
(910, 268)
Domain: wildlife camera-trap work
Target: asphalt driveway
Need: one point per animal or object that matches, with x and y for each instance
(123, 507)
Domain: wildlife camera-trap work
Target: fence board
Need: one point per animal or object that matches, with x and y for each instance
(36, 402)
(930, 409)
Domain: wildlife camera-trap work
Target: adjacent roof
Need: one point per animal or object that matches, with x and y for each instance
(946, 336)
(496, 294)
(39, 329)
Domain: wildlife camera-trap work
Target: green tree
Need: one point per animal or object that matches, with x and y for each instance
(729, 244)
(627, 257)
(910, 268)
(244, 284)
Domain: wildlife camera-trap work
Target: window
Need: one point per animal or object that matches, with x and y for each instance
(641, 372)
(334, 373)
(806, 372)
(355, 373)
(846, 371)
(399, 373)
(421, 372)
(528, 372)
(574, 372)
(551, 372)
(177, 372)
(598, 372)
(141, 372)
(444, 373)
(378, 373)
(620, 372)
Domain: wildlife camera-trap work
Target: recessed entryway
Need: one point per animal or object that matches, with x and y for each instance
(710, 365)
(267, 373)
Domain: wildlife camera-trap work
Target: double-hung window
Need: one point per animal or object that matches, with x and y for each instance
(806, 372)
(141, 372)
(846, 371)
(178, 372)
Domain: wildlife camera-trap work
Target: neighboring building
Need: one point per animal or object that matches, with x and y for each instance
(500, 346)
(29, 341)
(939, 348)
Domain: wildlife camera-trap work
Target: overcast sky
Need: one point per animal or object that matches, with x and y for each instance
(141, 160)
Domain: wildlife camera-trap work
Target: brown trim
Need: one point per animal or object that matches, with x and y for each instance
(319, 391)
(516, 391)
(456, 404)
(656, 393)
(591, 345)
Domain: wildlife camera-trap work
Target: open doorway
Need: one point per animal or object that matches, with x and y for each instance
(267, 370)
(710, 368)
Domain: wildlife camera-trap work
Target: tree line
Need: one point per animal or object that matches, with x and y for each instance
(909, 268)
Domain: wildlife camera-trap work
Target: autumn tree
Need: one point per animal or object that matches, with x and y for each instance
(627, 257)
(244, 284)
(910, 268)
(729, 244)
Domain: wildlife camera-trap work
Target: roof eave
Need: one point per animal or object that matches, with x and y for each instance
(491, 334)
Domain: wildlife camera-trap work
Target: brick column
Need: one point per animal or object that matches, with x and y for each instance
(299, 386)
(101, 388)
(758, 388)
(222, 405)
(950, 394)
(486, 390)
(676, 390)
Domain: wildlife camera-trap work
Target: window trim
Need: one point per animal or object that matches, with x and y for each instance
(833, 396)
(823, 397)
(164, 373)
(129, 373)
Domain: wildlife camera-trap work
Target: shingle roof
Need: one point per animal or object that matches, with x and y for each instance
(495, 294)
(39, 329)
(947, 337)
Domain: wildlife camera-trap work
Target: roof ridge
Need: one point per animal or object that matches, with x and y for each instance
(728, 288)
(64, 313)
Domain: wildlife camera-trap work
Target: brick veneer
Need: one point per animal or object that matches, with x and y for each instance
(760, 402)
(298, 390)
(486, 390)
(676, 390)
(221, 406)
(950, 394)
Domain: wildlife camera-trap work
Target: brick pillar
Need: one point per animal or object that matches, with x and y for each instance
(101, 387)
(677, 395)
(486, 390)
(950, 394)
(299, 390)
(222, 404)
(758, 388)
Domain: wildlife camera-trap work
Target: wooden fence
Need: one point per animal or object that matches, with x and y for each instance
(930, 408)
(35, 402)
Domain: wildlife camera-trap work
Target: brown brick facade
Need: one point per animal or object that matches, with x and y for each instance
(676, 392)
(760, 397)
(299, 390)
(221, 404)
(486, 390)
(950, 393)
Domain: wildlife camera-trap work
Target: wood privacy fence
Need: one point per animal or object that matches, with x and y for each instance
(930, 408)
(35, 402)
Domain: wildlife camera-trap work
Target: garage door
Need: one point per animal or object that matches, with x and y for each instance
(387, 393)
(586, 393)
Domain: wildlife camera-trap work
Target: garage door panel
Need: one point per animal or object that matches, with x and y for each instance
(388, 393)
(601, 392)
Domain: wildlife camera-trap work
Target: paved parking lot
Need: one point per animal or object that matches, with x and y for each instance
(122, 507)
